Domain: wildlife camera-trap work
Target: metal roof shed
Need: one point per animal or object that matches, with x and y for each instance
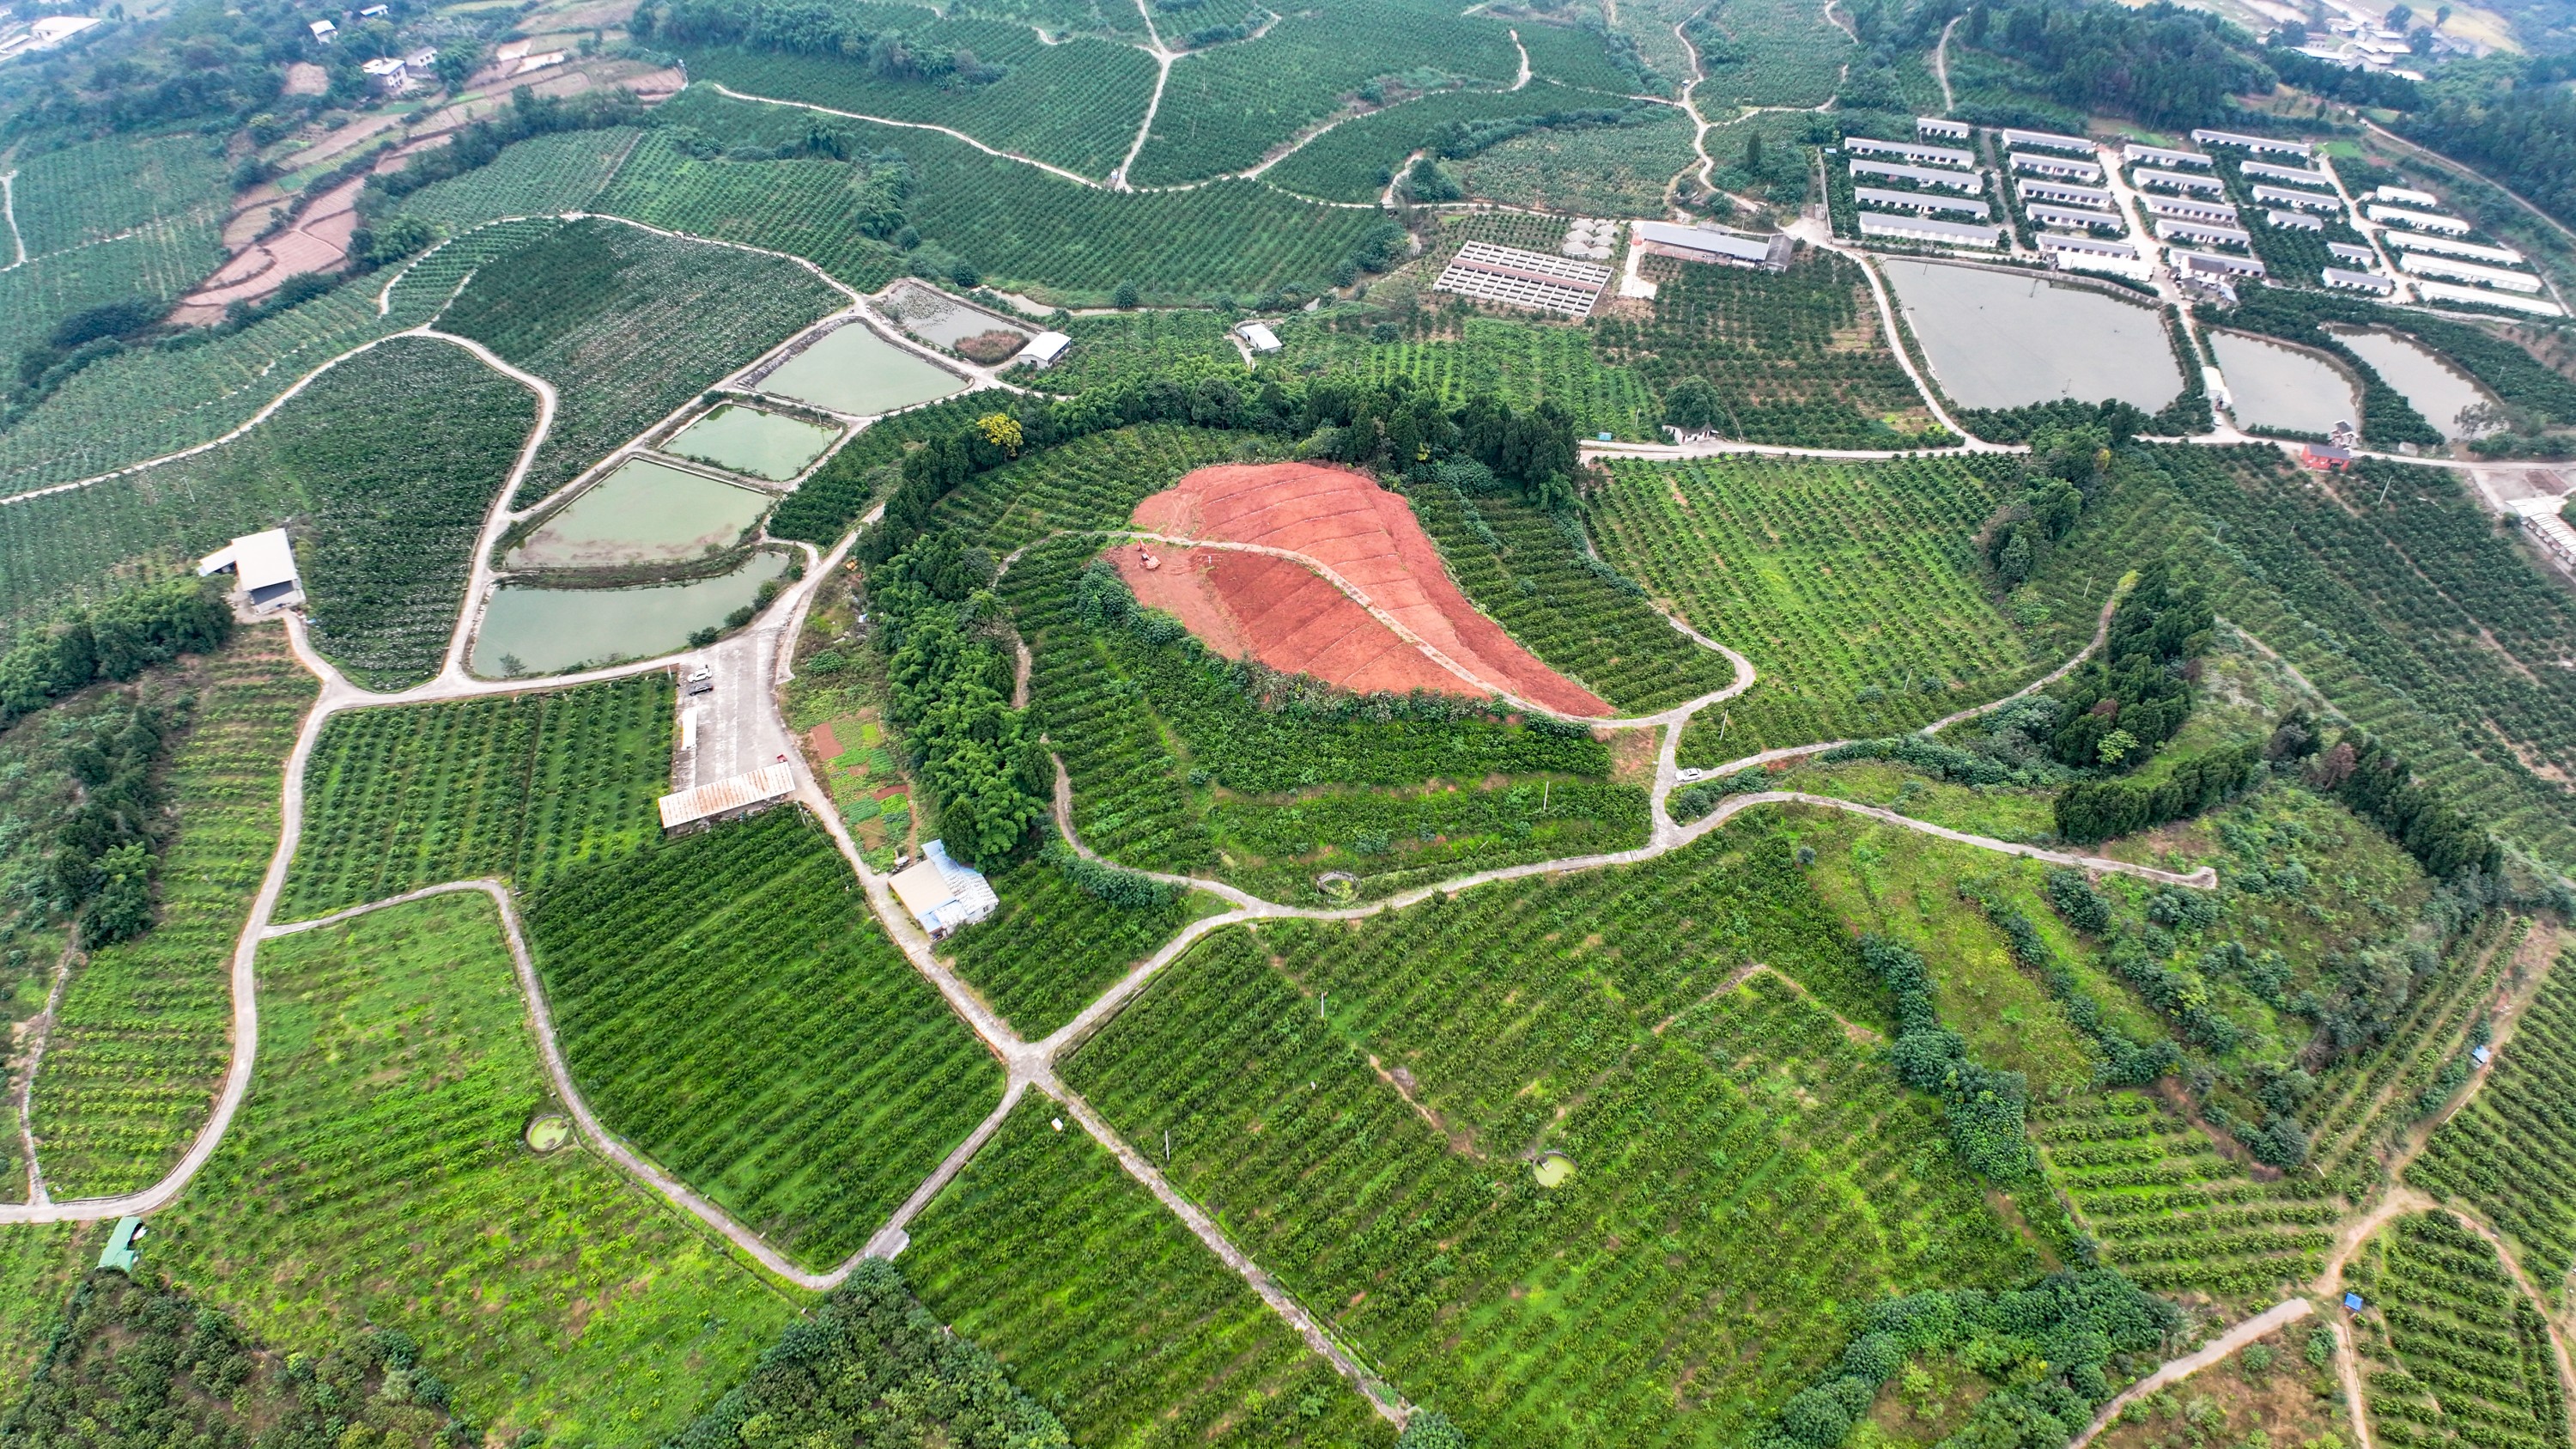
(265, 565)
(120, 1252)
(943, 894)
(1258, 336)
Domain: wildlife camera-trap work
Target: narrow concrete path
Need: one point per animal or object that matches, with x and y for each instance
(2270, 1321)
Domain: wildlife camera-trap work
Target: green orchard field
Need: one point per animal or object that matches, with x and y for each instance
(1361, 1105)
(522, 787)
(134, 1059)
(391, 459)
(702, 988)
(541, 176)
(378, 1175)
(1105, 1309)
(1854, 588)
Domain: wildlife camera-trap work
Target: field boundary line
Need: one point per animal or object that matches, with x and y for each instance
(40, 1030)
(949, 131)
(496, 520)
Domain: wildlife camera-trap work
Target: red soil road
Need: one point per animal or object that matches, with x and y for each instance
(1295, 620)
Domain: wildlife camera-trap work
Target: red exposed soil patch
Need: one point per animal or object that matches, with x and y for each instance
(1292, 619)
(317, 242)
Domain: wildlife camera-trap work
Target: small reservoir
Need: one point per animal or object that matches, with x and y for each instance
(645, 512)
(2272, 386)
(857, 372)
(2435, 387)
(942, 320)
(747, 440)
(548, 631)
(2006, 340)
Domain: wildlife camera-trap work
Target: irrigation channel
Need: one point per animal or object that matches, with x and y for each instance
(762, 656)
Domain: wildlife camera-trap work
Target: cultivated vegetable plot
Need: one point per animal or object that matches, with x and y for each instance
(95, 422)
(2511, 1152)
(1362, 1105)
(540, 176)
(2169, 1211)
(729, 1006)
(1076, 105)
(2455, 1351)
(523, 786)
(387, 464)
(377, 1176)
(628, 325)
(1795, 357)
(1532, 573)
(810, 208)
(1853, 588)
(1106, 1310)
(136, 1055)
(1054, 947)
(1226, 107)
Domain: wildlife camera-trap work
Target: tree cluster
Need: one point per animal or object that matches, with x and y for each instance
(2093, 810)
(806, 27)
(2381, 787)
(103, 852)
(1128, 889)
(116, 639)
(2044, 1347)
(2163, 65)
(873, 1367)
(2063, 473)
(2136, 694)
(1987, 1110)
(2524, 138)
(949, 677)
(142, 1365)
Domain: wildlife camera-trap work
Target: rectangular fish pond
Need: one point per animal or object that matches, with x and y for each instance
(747, 440)
(645, 512)
(962, 328)
(549, 630)
(2010, 339)
(855, 371)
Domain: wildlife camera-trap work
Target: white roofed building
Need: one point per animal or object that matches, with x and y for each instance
(942, 893)
(1707, 244)
(263, 564)
(1044, 350)
(1258, 337)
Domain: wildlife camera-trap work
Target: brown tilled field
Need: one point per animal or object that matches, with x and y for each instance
(1295, 620)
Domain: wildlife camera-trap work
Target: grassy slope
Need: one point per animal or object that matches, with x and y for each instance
(377, 1175)
(134, 1060)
